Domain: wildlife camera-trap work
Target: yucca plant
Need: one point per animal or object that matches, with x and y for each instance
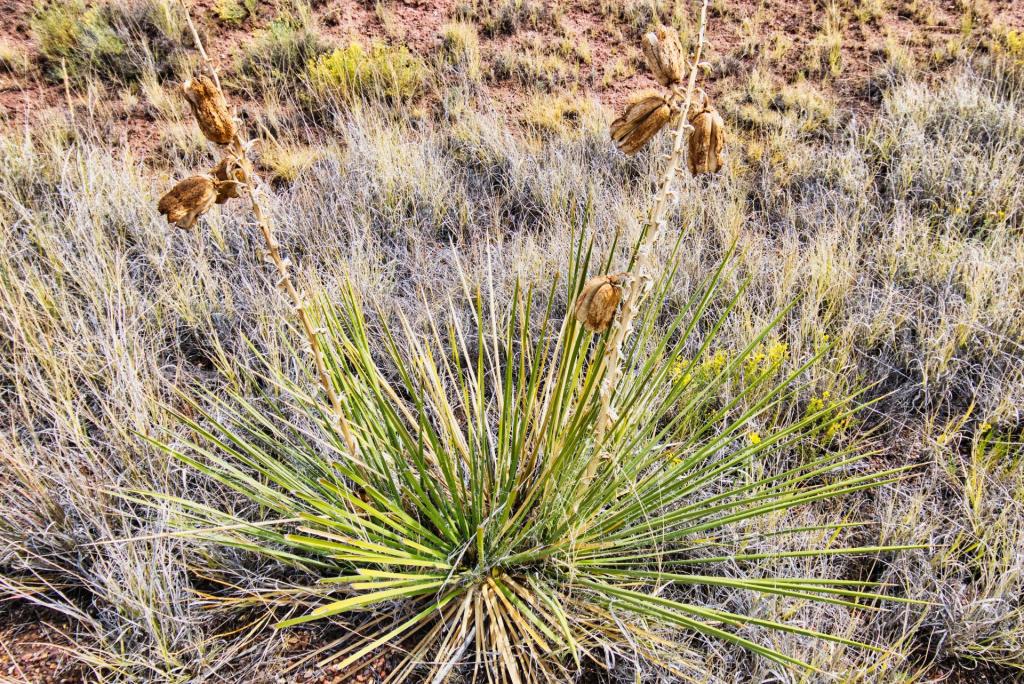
(464, 528)
(503, 489)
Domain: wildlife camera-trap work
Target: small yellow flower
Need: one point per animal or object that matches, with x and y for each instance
(754, 362)
(717, 361)
(777, 352)
(754, 438)
(985, 427)
(678, 369)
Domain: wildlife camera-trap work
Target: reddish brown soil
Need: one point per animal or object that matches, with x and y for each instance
(36, 650)
(754, 23)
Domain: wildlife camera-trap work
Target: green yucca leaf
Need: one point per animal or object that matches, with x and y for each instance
(465, 527)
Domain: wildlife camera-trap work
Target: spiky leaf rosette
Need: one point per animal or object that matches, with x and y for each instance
(465, 533)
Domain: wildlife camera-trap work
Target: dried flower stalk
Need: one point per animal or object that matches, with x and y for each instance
(238, 174)
(640, 284)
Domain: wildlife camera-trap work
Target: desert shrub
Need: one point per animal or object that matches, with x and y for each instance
(78, 38)
(505, 17)
(638, 16)
(286, 163)
(383, 73)
(531, 69)
(466, 515)
(1013, 43)
(825, 55)
(460, 47)
(762, 106)
(234, 11)
(13, 60)
(561, 114)
(962, 168)
(276, 60)
(115, 42)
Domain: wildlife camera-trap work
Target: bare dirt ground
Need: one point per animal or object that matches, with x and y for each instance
(35, 649)
(741, 32)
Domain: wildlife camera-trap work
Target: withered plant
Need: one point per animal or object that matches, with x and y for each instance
(235, 177)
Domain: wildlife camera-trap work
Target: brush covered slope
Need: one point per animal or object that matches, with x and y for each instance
(873, 252)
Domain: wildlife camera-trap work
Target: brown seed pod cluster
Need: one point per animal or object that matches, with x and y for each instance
(210, 109)
(649, 112)
(644, 117)
(191, 198)
(596, 306)
(188, 200)
(706, 140)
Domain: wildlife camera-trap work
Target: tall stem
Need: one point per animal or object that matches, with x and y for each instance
(285, 282)
(640, 284)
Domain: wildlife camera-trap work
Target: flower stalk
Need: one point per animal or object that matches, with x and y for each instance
(636, 287)
(240, 175)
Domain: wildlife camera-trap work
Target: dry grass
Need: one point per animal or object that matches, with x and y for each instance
(900, 235)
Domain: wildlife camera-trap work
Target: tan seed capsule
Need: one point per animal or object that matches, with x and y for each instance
(706, 141)
(188, 200)
(230, 174)
(210, 109)
(643, 118)
(664, 56)
(595, 307)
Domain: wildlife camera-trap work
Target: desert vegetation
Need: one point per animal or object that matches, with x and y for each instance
(525, 407)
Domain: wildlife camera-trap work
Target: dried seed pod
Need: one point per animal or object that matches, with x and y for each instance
(643, 118)
(664, 56)
(188, 200)
(597, 303)
(706, 141)
(230, 174)
(210, 109)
